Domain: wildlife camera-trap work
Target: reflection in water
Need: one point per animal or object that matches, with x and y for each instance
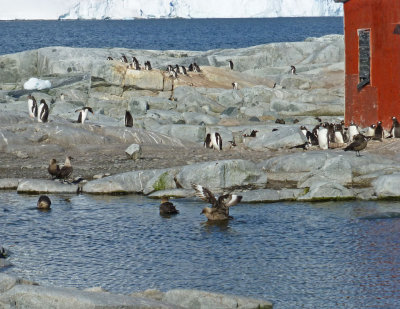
(321, 255)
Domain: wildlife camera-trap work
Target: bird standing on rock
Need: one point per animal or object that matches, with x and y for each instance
(360, 142)
(66, 170)
(54, 168)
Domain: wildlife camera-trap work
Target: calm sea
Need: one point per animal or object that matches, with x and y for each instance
(162, 34)
(299, 255)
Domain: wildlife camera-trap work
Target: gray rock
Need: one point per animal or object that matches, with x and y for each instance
(207, 300)
(284, 137)
(25, 296)
(45, 186)
(387, 186)
(189, 133)
(326, 190)
(9, 183)
(134, 151)
(269, 195)
(222, 174)
(7, 282)
(177, 193)
(138, 106)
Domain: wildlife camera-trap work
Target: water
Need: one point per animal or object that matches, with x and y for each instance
(182, 34)
(298, 255)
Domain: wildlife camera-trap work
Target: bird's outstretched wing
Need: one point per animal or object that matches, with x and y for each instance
(229, 200)
(204, 194)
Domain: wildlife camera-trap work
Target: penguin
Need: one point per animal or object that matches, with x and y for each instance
(293, 69)
(207, 141)
(173, 74)
(331, 132)
(128, 119)
(83, 113)
(395, 130)
(379, 133)
(360, 142)
(323, 140)
(176, 69)
(135, 64)
(43, 202)
(124, 59)
(338, 134)
(43, 111)
(252, 134)
(235, 86)
(53, 168)
(190, 67)
(280, 121)
(304, 130)
(66, 169)
(147, 66)
(304, 146)
(353, 131)
(296, 121)
(182, 70)
(216, 141)
(167, 208)
(371, 130)
(196, 68)
(110, 58)
(32, 106)
(230, 64)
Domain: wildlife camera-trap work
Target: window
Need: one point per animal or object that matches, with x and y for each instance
(364, 52)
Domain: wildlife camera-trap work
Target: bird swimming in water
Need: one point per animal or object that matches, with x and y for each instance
(43, 202)
(167, 208)
(66, 169)
(54, 168)
(359, 143)
(220, 207)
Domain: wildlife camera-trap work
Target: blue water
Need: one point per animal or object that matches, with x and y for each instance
(299, 255)
(163, 34)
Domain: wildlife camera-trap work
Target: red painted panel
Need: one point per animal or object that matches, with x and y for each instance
(380, 100)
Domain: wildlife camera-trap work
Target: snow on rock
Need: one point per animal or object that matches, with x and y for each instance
(37, 84)
(128, 9)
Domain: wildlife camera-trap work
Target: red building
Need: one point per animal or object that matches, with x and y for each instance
(372, 48)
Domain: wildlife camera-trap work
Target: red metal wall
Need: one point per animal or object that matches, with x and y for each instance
(380, 100)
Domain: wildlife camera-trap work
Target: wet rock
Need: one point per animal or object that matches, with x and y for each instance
(9, 183)
(177, 193)
(326, 190)
(269, 195)
(208, 300)
(387, 186)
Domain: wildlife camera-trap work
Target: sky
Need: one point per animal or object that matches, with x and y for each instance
(33, 9)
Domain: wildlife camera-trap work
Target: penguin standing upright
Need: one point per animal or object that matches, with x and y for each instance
(395, 130)
(207, 141)
(43, 112)
(128, 119)
(339, 134)
(379, 133)
(32, 106)
(230, 64)
(323, 140)
(216, 141)
(83, 113)
(293, 69)
(353, 131)
(235, 86)
(371, 130)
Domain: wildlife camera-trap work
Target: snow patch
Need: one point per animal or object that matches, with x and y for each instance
(37, 84)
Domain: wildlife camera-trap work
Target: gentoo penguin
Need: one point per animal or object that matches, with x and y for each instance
(331, 132)
(207, 141)
(196, 68)
(182, 70)
(304, 130)
(135, 63)
(66, 169)
(176, 69)
(169, 68)
(147, 66)
(339, 134)
(128, 119)
(43, 202)
(323, 140)
(173, 74)
(359, 143)
(124, 59)
(235, 86)
(395, 130)
(54, 168)
(110, 58)
(167, 208)
(230, 64)
(32, 106)
(220, 207)
(216, 141)
(379, 133)
(83, 113)
(353, 131)
(371, 130)
(43, 112)
(293, 69)
(190, 67)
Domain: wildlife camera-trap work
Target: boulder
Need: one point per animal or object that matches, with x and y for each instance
(207, 300)
(387, 186)
(284, 137)
(326, 190)
(269, 195)
(45, 186)
(222, 174)
(9, 183)
(134, 151)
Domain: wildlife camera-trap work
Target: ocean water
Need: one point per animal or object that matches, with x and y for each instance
(298, 255)
(162, 34)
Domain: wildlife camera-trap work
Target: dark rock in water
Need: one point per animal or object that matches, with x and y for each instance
(382, 215)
